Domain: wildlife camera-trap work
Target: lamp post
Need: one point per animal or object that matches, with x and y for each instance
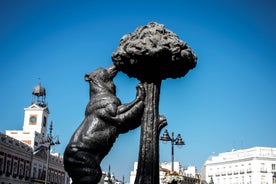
(175, 141)
(50, 141)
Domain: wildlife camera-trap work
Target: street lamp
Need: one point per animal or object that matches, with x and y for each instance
(50, 141)
(175, 141)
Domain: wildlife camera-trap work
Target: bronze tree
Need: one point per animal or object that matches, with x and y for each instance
(152, 54)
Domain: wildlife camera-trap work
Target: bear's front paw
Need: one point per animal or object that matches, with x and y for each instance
(141, 94)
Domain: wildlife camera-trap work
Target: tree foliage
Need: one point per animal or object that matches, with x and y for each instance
(153, 52)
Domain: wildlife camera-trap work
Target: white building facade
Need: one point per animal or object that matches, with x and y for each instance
(185, 176)
(25, 155)
(255, 165)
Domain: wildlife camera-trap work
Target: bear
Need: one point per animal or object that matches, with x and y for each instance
(105, 118)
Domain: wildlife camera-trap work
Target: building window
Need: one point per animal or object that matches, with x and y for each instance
(236, 170)
(273, 168)
(229, 170)
(15, 164)
(62, 178)
(27, 172)
(39, 174)
(263, 169)
(249, 168)
(44, 121)
(242, 180)
(242, 169)
(8, 168)
(250, 179)
(1, 165)
(263, 180)
(21, 169)
(34, 172)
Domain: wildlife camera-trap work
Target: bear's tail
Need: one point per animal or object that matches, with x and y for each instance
(81, 166)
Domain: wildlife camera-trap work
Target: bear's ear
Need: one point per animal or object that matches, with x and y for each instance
(86, 77)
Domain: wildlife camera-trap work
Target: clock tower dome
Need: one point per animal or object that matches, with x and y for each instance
(36, 115)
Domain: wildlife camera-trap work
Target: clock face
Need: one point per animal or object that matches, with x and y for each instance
(32, 119)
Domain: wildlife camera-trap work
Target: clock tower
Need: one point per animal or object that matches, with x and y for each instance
(36, 115)
(35, 120)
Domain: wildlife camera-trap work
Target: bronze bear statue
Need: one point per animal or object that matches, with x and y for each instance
(105, 119)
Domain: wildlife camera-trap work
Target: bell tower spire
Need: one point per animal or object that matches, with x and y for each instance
(39, 95)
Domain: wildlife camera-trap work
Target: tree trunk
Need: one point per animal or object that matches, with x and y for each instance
(148, 161)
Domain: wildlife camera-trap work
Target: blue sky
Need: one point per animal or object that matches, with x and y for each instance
(227, 102)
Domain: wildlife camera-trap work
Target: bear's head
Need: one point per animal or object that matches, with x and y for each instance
(101, 80)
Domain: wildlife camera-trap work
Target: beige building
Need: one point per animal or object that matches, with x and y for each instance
(255, 165)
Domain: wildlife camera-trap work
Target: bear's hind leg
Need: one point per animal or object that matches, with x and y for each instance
(83, 168)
